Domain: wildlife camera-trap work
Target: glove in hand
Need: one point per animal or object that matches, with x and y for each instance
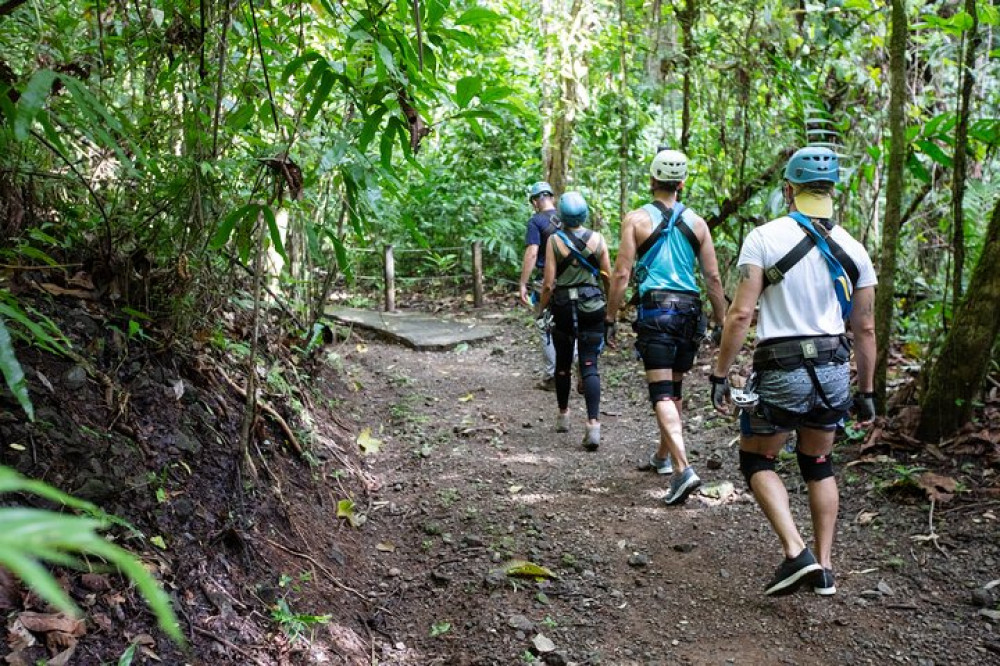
(720, 391)
(544, 321)
(864, 407)
(610, 330)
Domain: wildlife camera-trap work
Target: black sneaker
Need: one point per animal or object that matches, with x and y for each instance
(825, 584)
(793, 572)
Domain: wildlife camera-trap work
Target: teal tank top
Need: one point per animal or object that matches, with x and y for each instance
(672, 267)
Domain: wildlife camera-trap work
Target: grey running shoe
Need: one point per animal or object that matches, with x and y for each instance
(661, 465)
(793, 572)
(824, 584)
(592, 438)
(562, 422)
(681, 486)
(547, 384)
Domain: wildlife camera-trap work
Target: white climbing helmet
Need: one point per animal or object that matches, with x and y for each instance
(669, 165)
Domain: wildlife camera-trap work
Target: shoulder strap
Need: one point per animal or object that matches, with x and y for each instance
(668, 216)
(554, 224)
(777, 272)
(676, 221)
(838, 273)
(577, 248)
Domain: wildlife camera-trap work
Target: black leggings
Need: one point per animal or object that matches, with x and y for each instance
(589, 341)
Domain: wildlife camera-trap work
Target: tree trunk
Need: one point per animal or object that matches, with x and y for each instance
(959, 372)
(893, 197)
(623, 111)
(572, 73)
(961, 147)
(686, 18)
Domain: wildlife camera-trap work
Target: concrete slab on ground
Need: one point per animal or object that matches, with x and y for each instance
(419, 330)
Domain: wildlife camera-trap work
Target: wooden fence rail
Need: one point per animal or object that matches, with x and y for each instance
(390, 278)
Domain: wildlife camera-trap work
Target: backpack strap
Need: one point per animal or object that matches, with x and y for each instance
(579, 252)
(777, 272)
(667, 218)
(843, 284)
(676, 221)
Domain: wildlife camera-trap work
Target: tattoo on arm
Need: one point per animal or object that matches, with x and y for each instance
(744, 272)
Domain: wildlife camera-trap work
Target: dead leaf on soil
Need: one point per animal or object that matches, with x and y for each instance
(880, 459)
(62, 659)
(361, 348)
(95, 582)
(56, 290)
(46, 622)
(466, 398)
(515, 489)
(938, 488)
(18, 637)
(866, 517)
(45, 381)
(528, 569)
(368, 444)
(386, 547)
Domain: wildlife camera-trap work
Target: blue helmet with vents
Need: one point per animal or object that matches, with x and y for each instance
(812, 164)
(573, 209)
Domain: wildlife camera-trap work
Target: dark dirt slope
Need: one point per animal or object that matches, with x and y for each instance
(469, 476)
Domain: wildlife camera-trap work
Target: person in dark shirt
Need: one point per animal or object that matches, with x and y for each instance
(542, 224)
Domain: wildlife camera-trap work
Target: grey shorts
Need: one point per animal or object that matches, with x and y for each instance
(789, 400)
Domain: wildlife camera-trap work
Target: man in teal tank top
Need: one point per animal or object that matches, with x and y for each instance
(663, 240)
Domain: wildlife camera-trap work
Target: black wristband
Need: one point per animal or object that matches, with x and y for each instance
(865, 394)
(716, 380)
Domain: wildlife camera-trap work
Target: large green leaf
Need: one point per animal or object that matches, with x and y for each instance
(467, 88)
(29, 537)
(13, 373)
(32, 100)
(478, 16)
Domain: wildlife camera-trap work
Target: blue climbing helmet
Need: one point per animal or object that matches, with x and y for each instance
(812, 164)
(573, 209)
(538, 189)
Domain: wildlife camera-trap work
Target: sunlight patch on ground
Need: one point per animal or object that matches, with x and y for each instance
(531, 459)
(531, 498)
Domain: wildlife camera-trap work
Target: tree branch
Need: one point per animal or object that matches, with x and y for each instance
(732, 204)
(9, 6)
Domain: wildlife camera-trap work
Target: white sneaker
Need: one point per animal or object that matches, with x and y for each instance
(562, 422)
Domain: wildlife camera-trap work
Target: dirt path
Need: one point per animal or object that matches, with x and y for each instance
(473, 476)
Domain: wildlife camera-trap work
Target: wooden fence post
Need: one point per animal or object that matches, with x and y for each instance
(390, 280)
(477, 274)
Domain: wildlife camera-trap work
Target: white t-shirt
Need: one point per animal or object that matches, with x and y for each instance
(804, 303)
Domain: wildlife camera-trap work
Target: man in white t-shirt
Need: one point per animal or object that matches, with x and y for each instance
(809, 276)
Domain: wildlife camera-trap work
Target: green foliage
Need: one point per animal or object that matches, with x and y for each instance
(295, 625)
(13, 373)
(29, 537)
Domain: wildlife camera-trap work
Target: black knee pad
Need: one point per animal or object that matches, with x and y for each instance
(815, 468)
(660, 391)
(751, 463)
(677, 390)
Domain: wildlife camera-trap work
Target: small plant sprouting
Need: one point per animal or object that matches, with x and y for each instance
(440, 628)
(295, 625)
